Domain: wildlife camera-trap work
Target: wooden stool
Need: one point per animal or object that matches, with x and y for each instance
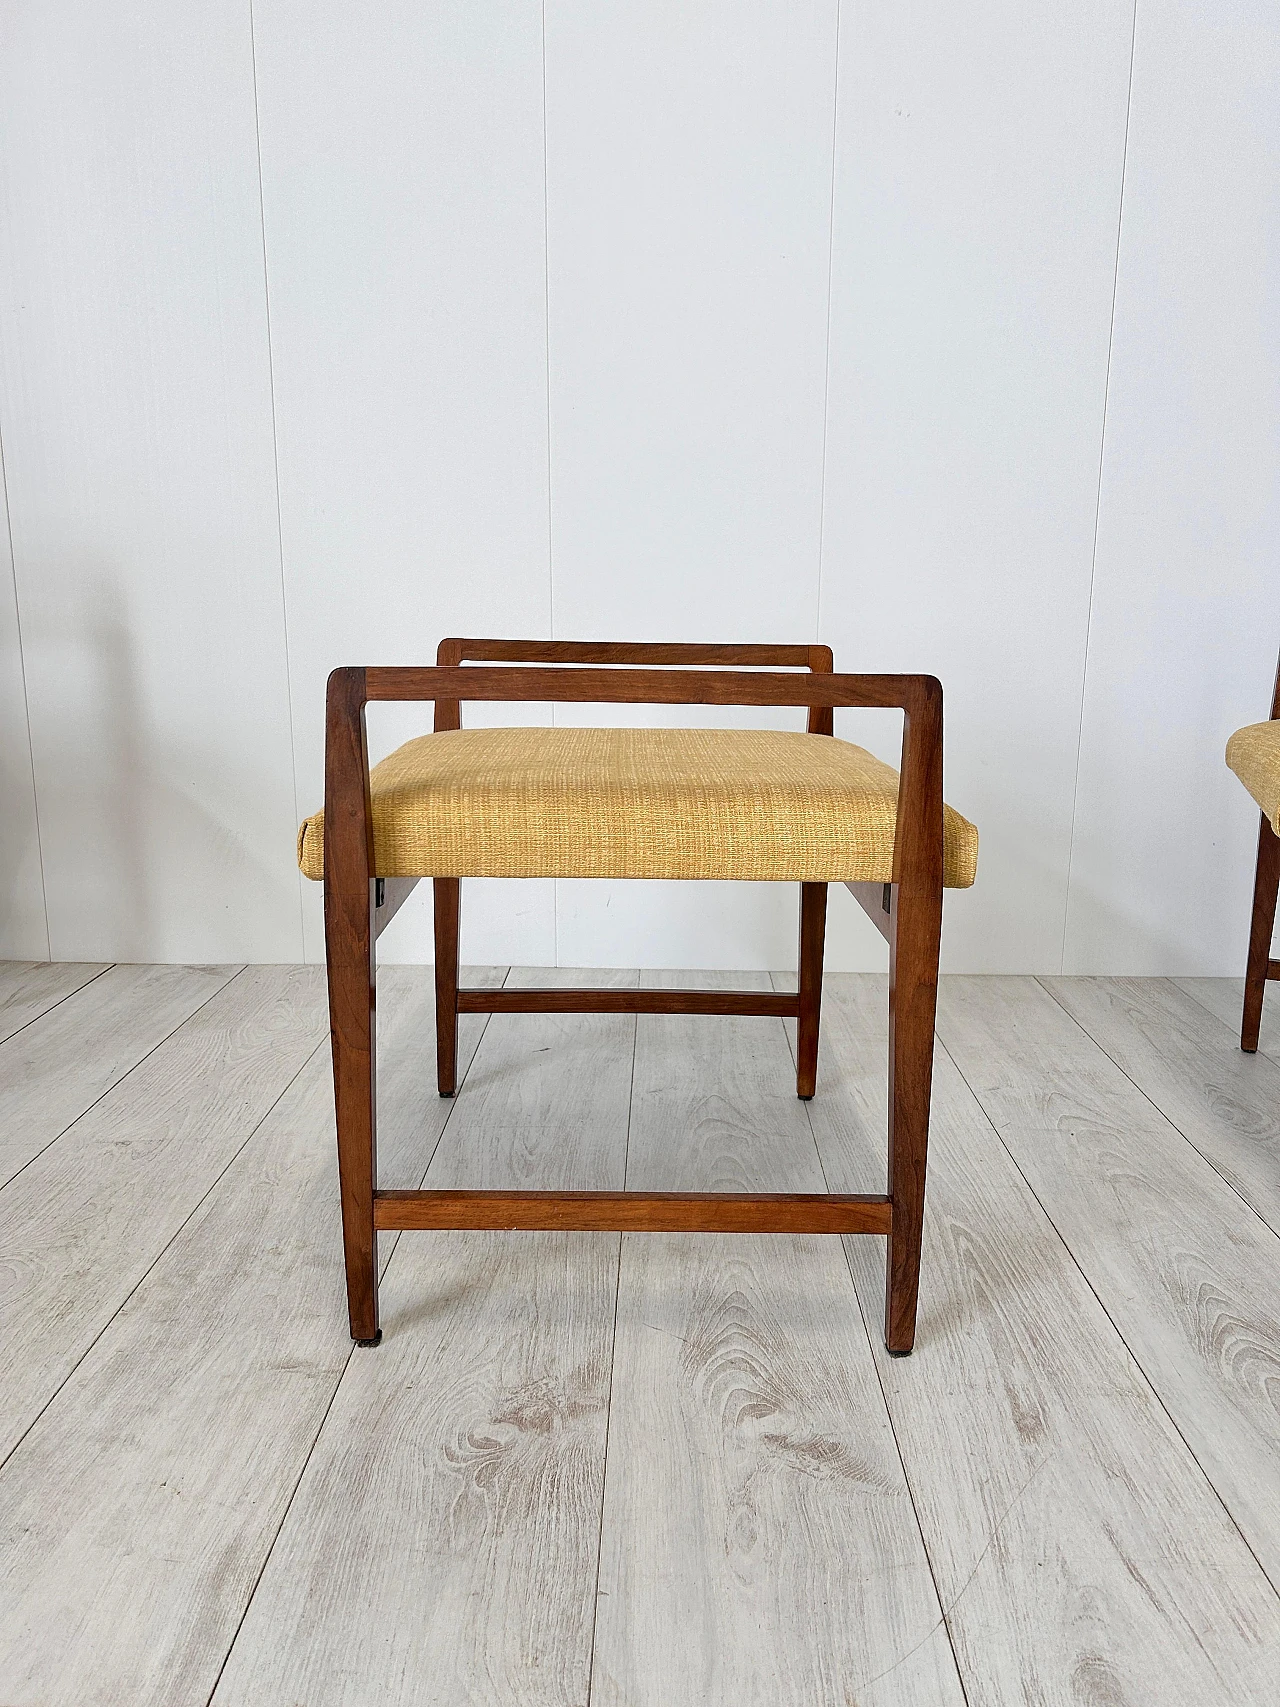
(1253, 753)
(757, 804)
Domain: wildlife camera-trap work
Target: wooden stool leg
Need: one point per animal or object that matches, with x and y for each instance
(351, 1010)
(915, 933)
(349, 899)
(813, 931)
(1265, 882)
(448, 898)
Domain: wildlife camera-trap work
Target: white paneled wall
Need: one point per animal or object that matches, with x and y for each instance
(1186, 616)
(689, 158)
(689, 215)
(948, 336)
(135, 408)
(403, 195)
(23, 930)
(977, 200)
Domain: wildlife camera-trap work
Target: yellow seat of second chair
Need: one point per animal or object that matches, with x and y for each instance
(751, 804)
(1253, 753)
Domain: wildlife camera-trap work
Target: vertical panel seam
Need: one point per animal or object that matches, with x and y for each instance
(26, 702)
(546, 303)
(826, 363)
(275, 463)
(1097, 511)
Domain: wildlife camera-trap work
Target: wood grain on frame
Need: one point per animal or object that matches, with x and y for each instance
(350, 893)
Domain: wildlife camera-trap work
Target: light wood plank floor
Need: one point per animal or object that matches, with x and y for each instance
(638, 1471)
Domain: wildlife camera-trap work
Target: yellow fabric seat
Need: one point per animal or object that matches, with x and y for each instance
(1253, 753)
(679, 803)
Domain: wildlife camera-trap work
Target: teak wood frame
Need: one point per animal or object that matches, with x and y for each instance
(1266, 879)
(907, 911)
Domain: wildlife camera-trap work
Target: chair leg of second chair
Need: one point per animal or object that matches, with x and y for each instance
(1265, 883)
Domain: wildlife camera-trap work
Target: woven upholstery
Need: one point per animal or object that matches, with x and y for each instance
(1254, 755)
(702, 803)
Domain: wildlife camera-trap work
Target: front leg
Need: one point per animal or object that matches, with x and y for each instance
(349, 942)
(916, 931)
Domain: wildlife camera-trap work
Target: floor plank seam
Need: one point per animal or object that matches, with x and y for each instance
(1204, 1006)
(167, 1246)
(1182, 983)
(453, 1104)
(604, 1478)
(57, 1004)
(626, 1151)
(758, 1534)
(116, 1083)
(342, 1375)
(284, 1517)
(1164, 1115)
(1130, 1353)
(944, 1622)
(613, 1352)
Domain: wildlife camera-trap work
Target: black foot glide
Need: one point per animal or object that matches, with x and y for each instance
(376, 1340)
(891, 1352)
